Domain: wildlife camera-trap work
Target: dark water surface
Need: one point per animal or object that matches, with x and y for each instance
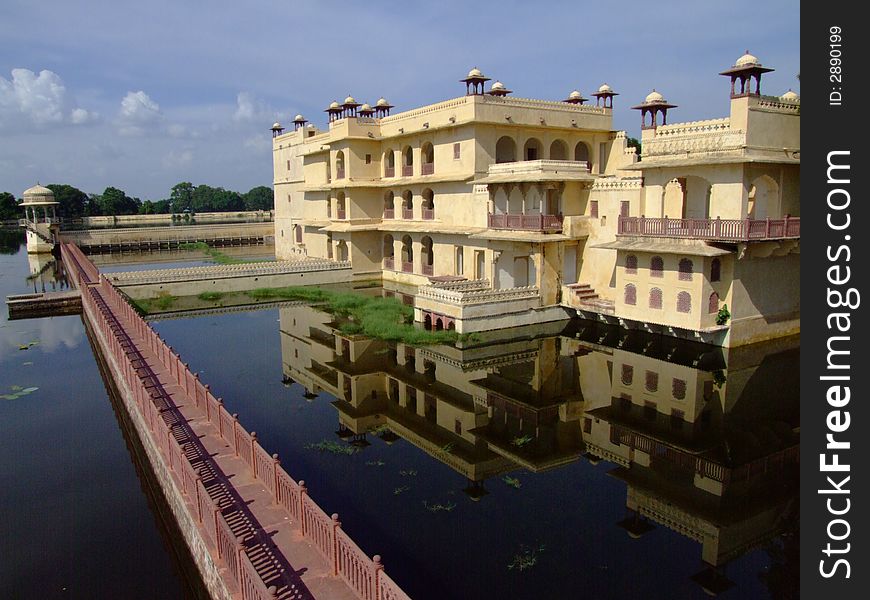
(557, 464)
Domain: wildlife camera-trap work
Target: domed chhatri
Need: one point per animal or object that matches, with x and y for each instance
(298, 118)
(653, 104)
(604, 96)
(334, 104)
(38, 195)
(277, 129)
(474, 82)
(334, 110)
(498, 89)
(381, 102)
(790, 96)
(366, 110)
(575, 97)
(745, 69)
(382, 107)
(298, 122)
(350, 100)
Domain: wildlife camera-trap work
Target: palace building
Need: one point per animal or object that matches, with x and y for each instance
(489, 211)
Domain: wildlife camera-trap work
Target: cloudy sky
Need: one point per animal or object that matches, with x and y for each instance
(142, 95)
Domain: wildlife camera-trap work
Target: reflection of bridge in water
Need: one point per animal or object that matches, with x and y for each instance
(252, 530)
(706, 439)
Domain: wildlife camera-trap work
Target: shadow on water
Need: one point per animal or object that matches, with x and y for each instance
(182, 562)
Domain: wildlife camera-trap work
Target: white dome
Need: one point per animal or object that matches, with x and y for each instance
(38, 195)
(575, 95)
(746, 60)
(349, 100)
(381, 102)
(334, 104)
(654, 96)
(498, 85)
(790, 96)
(298, 118)
(605, 88)
(475, 72)
(276, 125)
(365, 107)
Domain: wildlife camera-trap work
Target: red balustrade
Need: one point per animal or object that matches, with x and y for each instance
(407, 170)
(407, 213)
(389, 213)
(427, 168)
(389, 263)
(546, 223)
(389, 171)
(712, 229)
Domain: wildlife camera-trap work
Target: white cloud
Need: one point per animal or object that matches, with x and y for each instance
(137, 110)
(249, 108)
(40, 99)
(177, 158)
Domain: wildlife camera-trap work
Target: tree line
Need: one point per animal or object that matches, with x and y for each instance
(184, 197)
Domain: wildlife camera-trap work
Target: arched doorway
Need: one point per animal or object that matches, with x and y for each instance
(533, 149)
(407, 254)
(389, 205)
(428, 204)
(763, 199)
(427, 256)
(505, 150)
(558, 150)
(389, 251)
(342, 251)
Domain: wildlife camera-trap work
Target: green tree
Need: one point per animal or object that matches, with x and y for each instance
(73, 201)
(259, 198)
(634, 143)
(9, 208)
(116, 202)
(181, 196)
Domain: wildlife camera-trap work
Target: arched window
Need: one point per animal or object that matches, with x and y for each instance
(655, 298)
(297, 230)
(407, 254)
(389, 205)
(630, 294)
(428, 204)
(684, 302)
(631, 264)
(389, 252)
(678, 389)
(713, 305)
(427, 255)
(627, 374)
(686, 268)
(715, 270)
(407, 205)
(342, 250)
(581, 152)
(339, 165)
(389, 163)
(428, 159)
(505, 150)
(558, 150)
(652, 381)
(657, 267)
(341, 206)
(407, 161)
(532, 149)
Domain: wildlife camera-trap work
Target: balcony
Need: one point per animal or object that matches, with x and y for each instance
(389, 213)
(408, 171)
(545, 223)
(428, 168)
(408, 213)
(389, 263)
(427, 270)
(389, 171)
(407, 267)
(428, 214)
(730, 230)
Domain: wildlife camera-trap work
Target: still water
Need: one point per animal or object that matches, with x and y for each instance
(572, 461)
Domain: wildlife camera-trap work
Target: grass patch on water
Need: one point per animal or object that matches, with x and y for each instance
(216, 255)
(372, 316)
(211, 296)
(332, 447)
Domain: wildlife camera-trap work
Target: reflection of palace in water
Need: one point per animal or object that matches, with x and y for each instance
(706, 439)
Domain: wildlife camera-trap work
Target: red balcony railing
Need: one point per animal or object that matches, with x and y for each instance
(339, 173)
(526, 222)
(389, 263)
(427, 270)
(407, 213)
(407, 170)
(407, 267)
(389, 213)
(428, 168)
(712, 229)
(340, 213)
(428, 213)
(389, 171)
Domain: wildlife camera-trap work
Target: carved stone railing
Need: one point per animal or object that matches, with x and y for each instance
(694, 127)
(712, 229)
(700, 138)
(477, 296)
(550, 223)
(539, 166)
(213, 271)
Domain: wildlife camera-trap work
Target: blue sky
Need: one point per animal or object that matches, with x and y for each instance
(142, 95)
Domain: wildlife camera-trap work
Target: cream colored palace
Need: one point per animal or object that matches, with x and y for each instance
(490, 211)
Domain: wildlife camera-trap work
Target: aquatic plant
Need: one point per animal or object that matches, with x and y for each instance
(448, 448)
(512, 481)
(18, 392)
(526, 558)
(408, 473)
(375, 463)
(332, 447)
(438, 507)
(165, 302)
(380, 429)
(521, 441)
(211, 296)
(400, 490)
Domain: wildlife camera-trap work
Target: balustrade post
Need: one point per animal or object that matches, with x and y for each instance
(240, 549)
(746, 223)
(336, 525)
(253, 455)
(767, 228)
(303, 491)
(641, 222)
(196, 486)
(186, 379)
(379, 566)
(273, 591)
(235, 437)
(276, 464)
